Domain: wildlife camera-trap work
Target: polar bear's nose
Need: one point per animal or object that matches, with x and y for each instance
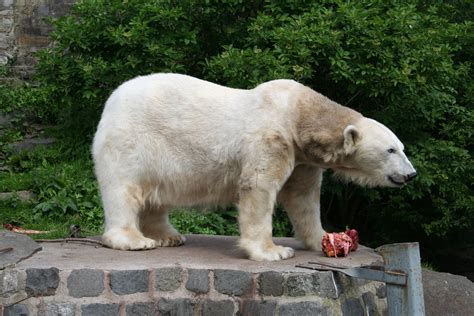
(410, 176)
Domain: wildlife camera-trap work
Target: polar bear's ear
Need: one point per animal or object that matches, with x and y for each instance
(351, 137)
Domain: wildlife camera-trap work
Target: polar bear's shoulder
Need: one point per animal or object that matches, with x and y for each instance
(279, 85)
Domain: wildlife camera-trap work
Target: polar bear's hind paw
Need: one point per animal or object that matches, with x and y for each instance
(125, 239)
(170, 241)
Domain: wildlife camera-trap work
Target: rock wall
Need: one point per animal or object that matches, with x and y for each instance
(24, 30)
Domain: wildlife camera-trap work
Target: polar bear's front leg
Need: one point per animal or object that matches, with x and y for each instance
(262, 176)
(300, 197)
(255, 222)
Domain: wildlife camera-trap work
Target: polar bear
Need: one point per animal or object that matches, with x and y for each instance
(170, 140)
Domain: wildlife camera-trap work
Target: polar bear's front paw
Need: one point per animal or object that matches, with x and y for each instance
(273, 253)
(127, 239)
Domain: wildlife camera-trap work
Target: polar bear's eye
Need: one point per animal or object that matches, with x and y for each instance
(391, 150)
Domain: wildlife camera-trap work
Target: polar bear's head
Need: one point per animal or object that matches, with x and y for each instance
(374, 156)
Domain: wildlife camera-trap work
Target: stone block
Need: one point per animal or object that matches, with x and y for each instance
(261, 308)
(5, 41)
(129, 281)
(30, 144)
(271, 283)
(381, 291)
(16, 310)
(301, 284)
(329, 285)
(198, 281)
(64, 309)
(100, 309)
(42, 282)
(168, 279)
(369, 303)
(6, 24)
(176, 307)
(4, 4)
(140, 309)
(302, 309)
(217, 308)
(232, 282)
(44, 10)
(23, 246)
(9, 282)
(85, 283)
(5, 12)
(352, 307)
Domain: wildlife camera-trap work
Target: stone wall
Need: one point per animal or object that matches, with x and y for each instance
(181, 291)
(24, 30)
(209, 275)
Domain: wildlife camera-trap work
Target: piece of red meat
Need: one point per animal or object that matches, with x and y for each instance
(355, 238)
(336, 244)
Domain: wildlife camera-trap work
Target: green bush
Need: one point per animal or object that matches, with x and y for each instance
(406, 64)
(103, 43)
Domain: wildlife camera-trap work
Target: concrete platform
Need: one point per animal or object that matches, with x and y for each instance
(199, 252)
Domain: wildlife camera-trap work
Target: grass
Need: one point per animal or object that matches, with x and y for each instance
(20, 214)
(428, 266)
(62, 181)
(67, 193)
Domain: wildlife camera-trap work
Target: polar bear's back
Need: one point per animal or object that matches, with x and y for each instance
(171, 103)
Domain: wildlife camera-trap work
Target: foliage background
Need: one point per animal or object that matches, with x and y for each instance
(407, 64)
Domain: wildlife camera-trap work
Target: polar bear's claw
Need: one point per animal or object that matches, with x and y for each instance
(170, 241)
(275, 253)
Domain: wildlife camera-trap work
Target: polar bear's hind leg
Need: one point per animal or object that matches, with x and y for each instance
(154, 223)
(122, 206)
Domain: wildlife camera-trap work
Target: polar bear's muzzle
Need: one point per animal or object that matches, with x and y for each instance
(402, 180)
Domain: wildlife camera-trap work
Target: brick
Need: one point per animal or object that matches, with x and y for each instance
(261, 308)
(16, 310)
(302, 309)
(198, 281)
(85, 283)
(217, 308)
(168, 279)
(352, 307)
(100, 309)
(301, 284)
(63, 309)
(140, 309)
(129, 281)
(232, 282)
(271, 283)
(42, 282)
(176, 307)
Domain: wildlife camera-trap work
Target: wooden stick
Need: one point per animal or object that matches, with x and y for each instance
(73, 240)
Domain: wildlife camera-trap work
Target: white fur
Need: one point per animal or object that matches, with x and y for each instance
(168, 140)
